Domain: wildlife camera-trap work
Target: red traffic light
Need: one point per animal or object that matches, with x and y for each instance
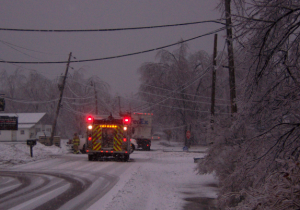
(89, 119)
(127, 120)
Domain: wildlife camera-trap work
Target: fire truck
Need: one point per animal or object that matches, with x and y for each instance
(108, 138)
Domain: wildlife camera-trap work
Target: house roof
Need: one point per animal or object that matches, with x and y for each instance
(26, 118)
(22, 126)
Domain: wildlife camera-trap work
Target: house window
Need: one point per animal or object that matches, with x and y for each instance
(22, 132)
(48, 129)
(37, 129)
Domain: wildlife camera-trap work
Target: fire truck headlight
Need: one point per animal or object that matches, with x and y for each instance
(125, 128)
(90, 127)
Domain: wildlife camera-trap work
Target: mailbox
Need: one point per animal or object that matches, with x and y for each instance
(31, 142)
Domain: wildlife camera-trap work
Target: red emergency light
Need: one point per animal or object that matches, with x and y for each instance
(90, 138)
(124, 139)
(89, 119)
(127, 120)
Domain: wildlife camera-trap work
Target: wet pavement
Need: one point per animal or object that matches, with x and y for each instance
(200, 203)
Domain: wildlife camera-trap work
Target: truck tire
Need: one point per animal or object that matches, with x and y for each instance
(132, 148)
(126, 158)
(83, 149)
(91, 157)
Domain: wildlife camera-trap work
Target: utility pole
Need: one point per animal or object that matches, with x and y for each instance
(230, 57)
(59, 102)
(213, 88)
(119, 105)
(96, 99)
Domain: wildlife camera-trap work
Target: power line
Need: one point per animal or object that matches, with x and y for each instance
(102, 101)
(178, 89)
(183, 88)
(180, 99)
(117, 56)
(13, 47)
(70, 109)
(24, 48)
(29, 102)
(193, 110)
(182, 93)
(110, 29)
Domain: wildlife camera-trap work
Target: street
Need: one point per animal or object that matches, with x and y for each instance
(156, 179)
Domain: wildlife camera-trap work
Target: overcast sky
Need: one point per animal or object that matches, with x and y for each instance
(121, 74)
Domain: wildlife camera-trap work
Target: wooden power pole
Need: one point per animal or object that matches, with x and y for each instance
(59, 102)
(96, 99)
(213, 86)
(230, 57)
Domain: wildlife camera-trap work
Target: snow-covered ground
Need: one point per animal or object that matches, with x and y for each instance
(163, 178)
(12, 153)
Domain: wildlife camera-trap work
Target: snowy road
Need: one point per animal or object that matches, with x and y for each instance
(67, 182)
(163, 178)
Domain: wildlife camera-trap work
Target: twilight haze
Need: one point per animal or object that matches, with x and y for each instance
(120, 73)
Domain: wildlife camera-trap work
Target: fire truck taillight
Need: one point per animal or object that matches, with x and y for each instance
(90, 127)
(124, 139)
(127, 120)
(89, 119)
(90, 138)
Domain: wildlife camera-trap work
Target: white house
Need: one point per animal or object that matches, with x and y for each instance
(29, 124)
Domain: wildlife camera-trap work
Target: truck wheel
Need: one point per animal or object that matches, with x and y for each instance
(126, 158)
(91, 157)
(132, 148)
(83, 149)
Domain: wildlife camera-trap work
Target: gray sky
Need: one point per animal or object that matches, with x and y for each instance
(121, 74)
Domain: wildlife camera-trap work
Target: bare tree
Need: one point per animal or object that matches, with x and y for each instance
(177, 90)
(257, 158)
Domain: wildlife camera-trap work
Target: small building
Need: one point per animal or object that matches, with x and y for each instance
(29, 125)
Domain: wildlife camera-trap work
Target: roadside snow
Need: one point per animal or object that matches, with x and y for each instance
(14, 153)
(159, 179)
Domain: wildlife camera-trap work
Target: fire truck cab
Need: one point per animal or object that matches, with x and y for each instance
(108, 138)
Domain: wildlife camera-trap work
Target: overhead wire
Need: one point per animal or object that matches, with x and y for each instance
(112, 29)
(168, 106)
(184, 93)
(77, 112)
(103, 102)
(76, 94)
(29, 102)
(179, 99)
(206, 70)
(5, 43)
(24, 48)
(117, 56)
(170, 95)
(38, 102)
